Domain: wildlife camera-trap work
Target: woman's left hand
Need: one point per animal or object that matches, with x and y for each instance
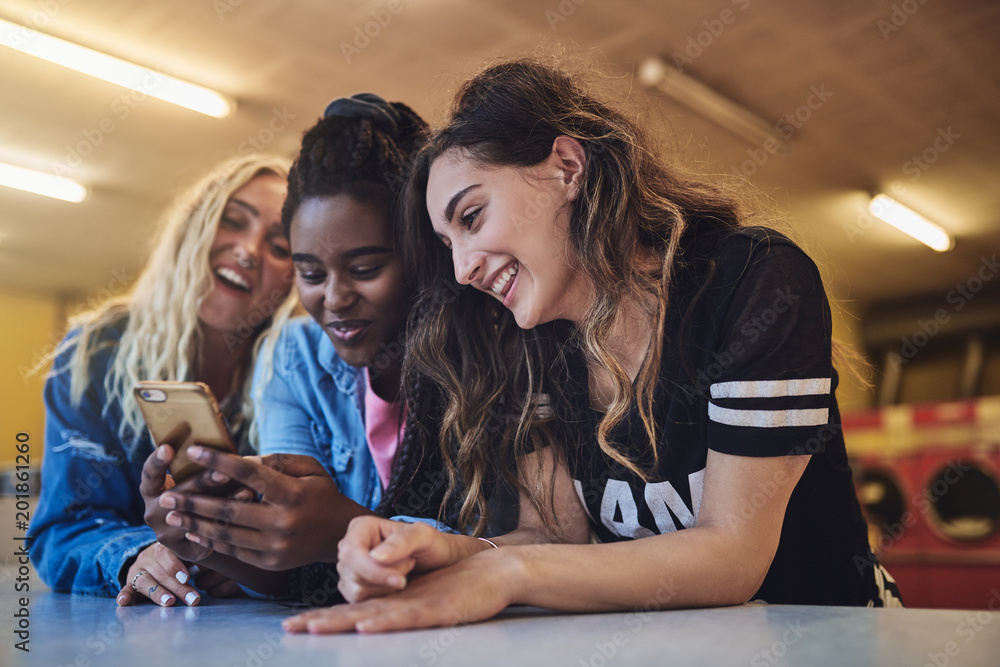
(473, 589)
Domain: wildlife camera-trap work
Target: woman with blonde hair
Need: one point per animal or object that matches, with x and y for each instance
(219, 270)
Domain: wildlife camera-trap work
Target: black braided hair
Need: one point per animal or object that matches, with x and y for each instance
(418, 481)
(361, 147)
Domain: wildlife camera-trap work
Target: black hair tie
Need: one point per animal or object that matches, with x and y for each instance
(366, 105)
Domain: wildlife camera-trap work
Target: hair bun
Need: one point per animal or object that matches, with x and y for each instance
(366, 105)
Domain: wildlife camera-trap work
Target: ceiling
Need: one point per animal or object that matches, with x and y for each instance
(897, 77)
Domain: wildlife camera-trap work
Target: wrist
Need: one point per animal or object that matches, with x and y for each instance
(491, 543)
(511, 565)
(343, 511)
(470, 546)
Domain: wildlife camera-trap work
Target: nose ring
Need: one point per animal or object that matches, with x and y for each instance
(245, 261)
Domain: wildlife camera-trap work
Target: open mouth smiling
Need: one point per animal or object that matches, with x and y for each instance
(504, 278)
(232, 279)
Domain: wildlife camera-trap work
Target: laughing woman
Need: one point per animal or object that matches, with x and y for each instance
(220, 264)
(679, 361)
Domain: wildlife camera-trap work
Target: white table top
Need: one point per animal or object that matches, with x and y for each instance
(76, 630)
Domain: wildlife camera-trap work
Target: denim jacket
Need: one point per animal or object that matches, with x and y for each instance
(313, 403)
(89, 519)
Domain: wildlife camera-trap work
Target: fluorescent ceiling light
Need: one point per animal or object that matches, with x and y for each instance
(41, 183)
(698, 97)
(115, 70)
(910, 222)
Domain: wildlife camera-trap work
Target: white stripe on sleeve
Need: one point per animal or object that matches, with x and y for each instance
(768, 418)
(771, 388)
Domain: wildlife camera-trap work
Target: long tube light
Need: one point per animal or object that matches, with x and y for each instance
(910, 222)
(654, 73)
(114, 70)
(40, 183)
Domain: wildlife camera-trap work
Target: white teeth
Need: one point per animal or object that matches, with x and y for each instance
(505, 278)
(232, 276)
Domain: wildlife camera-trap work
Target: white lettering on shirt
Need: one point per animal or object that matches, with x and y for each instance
(661, 495)
(661, 499)
(618, 496)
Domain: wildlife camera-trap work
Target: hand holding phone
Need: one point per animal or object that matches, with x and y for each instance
(181, 414)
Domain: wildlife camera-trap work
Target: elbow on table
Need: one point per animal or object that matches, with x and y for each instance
(752, 579)
(741, 580)
(744, 589)
(730, 591)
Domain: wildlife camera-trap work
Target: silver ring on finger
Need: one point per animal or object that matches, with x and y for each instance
(137, 575)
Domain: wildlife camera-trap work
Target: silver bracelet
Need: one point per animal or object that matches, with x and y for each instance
(489, 542)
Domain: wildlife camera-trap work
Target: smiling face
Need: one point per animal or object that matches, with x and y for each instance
(250, 258)
(507, 229)
(348, 277)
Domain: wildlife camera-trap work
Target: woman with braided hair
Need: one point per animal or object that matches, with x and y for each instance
(329, 409)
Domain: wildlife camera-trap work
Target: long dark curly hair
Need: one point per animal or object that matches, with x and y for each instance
(625, 229)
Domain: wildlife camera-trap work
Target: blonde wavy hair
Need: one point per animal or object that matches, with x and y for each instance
(264, 357)
(162, 338)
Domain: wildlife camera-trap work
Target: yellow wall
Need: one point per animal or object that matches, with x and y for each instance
(27, 327)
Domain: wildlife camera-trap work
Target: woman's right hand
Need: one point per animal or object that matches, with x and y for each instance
(376, 555)
(158, 574)
(154, 482)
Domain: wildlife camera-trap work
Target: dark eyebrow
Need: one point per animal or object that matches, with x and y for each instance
(245, 205)
(449, 210)
(349, 254)
(366, 250)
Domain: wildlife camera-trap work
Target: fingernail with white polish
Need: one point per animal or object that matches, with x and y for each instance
(165, 599)
(182, 576)
(191, 598)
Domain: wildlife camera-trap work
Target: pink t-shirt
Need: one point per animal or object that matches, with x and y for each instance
(383, 430)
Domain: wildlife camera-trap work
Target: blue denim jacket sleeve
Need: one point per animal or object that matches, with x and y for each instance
(311, 404)
(433, 523)
(89, 519)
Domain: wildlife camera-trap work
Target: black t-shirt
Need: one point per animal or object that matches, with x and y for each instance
(746, 371)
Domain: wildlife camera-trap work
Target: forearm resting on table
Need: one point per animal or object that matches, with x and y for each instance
(463, 546)
(717, 562)
(697, 567)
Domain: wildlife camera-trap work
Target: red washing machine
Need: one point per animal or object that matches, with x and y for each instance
(928, 478)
